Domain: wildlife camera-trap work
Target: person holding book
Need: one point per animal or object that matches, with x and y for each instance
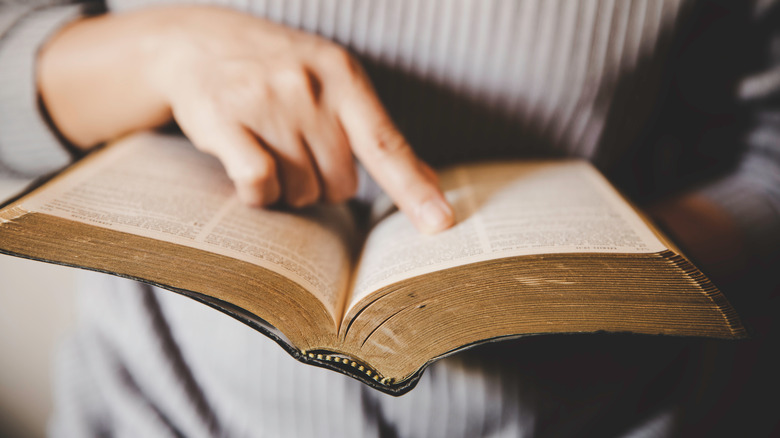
(285, 111)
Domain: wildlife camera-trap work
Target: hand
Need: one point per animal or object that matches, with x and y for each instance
(284, 111)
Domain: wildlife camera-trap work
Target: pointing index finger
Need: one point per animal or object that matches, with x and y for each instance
(391, 161)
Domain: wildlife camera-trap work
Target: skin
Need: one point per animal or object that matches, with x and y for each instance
(284, 111)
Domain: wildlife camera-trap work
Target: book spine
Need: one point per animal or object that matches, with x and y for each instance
(349, 364)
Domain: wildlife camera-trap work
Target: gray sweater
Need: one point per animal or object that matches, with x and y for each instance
(663, 96)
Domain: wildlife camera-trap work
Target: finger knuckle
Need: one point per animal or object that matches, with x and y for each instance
(244, 89)
(258, 176)
(389, 141)
(255, 90)
(337, 60)
(256, 195)
(291, 79)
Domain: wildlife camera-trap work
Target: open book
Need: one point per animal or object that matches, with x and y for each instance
(539, 247)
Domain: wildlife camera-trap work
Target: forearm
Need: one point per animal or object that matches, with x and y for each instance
(93, 81)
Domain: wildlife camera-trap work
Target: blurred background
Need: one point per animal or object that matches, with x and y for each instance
(37, 310)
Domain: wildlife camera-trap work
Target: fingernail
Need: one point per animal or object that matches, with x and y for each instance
(435, 215)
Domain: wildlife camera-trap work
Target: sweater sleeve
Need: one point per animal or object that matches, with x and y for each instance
(751, 193)
(29, 146)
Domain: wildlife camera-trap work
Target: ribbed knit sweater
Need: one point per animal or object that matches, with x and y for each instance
(663, 96)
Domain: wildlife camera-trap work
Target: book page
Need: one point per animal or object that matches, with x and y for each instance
(160, 187)
(506, 210)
